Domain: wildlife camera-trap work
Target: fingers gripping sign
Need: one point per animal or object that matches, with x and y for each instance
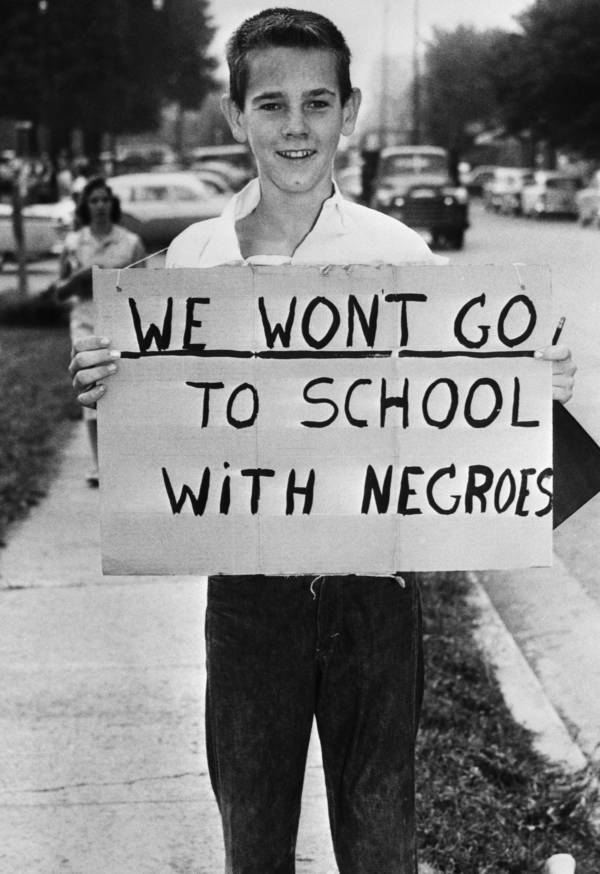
(563, 371)
(92, 360)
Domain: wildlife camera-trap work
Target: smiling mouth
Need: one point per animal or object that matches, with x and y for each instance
(297, 154)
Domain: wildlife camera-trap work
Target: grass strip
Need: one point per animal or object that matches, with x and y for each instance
(487, 802)
(37, 409)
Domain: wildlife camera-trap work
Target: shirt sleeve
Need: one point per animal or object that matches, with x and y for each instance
(179, 251)
(187, 247)
(416, 250)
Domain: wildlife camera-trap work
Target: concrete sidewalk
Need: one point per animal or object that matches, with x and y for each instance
(102, 761)
(101, 717)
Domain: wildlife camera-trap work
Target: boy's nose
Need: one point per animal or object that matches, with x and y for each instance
(295, 124)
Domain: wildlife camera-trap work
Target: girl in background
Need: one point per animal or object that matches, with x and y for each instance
(99, 241)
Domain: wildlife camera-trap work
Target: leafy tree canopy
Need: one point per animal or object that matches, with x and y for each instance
(102, 67)
(546, 77)
(541, 80)
(459, 97)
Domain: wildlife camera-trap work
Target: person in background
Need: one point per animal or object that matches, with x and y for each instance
(370, 159)
(99, 242)
(81, 169)
(64, 176)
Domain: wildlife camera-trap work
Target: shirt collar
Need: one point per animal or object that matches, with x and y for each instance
(111, 237)
(223, 246)
(245, 201)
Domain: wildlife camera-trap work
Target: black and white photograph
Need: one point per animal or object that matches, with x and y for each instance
(300, 437)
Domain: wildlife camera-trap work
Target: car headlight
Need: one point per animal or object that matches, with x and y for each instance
(384, 196)
(460, 195)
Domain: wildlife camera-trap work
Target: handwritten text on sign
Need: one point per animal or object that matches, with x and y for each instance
(295, 420)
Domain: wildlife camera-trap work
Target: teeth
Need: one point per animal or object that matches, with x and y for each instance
(298, 153)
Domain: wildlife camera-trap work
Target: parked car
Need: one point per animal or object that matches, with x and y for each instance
(349, 180)
(550, 193)
(588, 202)
(45, 226)
(502, 193)
(475, 179)
(233, 161)
(215, 180)
(413, 184)
(232, 175)
(144, 158)
(158, 206)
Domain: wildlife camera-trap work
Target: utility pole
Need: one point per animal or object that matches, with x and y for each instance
(384, 97)
(18, 184)
(416, 137)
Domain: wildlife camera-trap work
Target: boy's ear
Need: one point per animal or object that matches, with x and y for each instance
(350, 111)
(235, 118)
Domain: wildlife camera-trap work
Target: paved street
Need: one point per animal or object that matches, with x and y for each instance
(541, 607)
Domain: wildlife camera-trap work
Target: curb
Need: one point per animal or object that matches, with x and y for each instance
(527, 700)
(522, 690)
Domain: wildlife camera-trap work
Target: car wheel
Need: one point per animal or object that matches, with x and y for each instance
(457, 239)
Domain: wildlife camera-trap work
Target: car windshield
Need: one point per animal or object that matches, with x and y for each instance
(562, 184)
(414, 164)
(180, 192)
(150, 192)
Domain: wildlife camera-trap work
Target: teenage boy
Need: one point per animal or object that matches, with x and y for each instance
(284, 650)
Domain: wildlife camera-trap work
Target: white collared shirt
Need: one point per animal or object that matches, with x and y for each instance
(344, 233)
(119, 248)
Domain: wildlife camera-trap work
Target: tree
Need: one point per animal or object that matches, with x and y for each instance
(19, 61)
(458, 98)
(102, 67)
(187, 68)
(187, 71)
(546, 77)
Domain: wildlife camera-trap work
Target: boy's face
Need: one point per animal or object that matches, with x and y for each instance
(293, 117)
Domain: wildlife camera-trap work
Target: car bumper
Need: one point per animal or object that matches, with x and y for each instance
(432, 216)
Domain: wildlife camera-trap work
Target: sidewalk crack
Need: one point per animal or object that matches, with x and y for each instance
(131, 782)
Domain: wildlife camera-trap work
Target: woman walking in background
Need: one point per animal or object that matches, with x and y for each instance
(99, 242)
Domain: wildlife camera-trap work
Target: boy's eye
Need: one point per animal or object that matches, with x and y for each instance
(318, 104)
(270, 107)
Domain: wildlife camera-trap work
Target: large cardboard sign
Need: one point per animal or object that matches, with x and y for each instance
(287, 420)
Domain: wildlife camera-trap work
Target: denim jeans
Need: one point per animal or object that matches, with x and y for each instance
(346, 650)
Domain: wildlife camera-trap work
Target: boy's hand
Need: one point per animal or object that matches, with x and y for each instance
(563, 371)
(92, 360)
